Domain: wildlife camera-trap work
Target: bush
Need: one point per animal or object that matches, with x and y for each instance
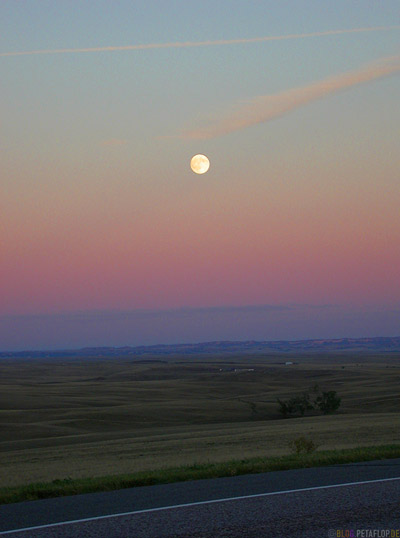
(302, 403)
(285, 407)
(295, 406)
(302, 445)
(328, 402)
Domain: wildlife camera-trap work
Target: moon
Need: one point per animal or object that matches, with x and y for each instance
(199, 164)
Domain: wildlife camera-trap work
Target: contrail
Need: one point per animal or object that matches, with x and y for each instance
(267, 107)
(185, 44)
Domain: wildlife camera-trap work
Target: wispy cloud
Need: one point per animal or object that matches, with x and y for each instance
(185, 44)
(267, 107)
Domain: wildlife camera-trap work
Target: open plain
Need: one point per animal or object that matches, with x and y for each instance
(73, 417)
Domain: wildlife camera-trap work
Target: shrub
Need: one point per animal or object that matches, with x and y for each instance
(297, 405)
(328, 402)
(302, 445)
(302, 403)
(285, 407)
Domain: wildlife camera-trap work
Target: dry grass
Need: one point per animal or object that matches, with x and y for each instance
(68, 418)
(70, 486)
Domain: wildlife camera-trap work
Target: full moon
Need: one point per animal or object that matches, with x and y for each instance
(199, 164)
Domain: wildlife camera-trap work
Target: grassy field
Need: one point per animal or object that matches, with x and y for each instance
(71, 486)
(69, 418)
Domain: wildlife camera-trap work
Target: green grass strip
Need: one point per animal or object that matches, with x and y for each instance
(69, 486)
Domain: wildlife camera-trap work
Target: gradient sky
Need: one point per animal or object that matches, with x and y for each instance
(108, 238)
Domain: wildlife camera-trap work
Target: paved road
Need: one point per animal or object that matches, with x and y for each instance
(308, 503)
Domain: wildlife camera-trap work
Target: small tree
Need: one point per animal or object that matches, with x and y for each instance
(296, 405)
(286, 408)
(302, 403)
(328, 402)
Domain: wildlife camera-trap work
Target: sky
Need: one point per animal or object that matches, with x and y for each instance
(106, 235)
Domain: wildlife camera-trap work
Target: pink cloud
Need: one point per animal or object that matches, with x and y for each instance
(267, 107)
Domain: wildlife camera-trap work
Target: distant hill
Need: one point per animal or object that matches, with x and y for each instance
(380, 344)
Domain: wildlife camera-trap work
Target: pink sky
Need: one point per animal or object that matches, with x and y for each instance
(313, 239)
(101, 212)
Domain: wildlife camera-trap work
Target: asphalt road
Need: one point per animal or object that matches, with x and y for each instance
(318, 502)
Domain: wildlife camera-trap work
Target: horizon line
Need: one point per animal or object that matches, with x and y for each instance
(202, 342)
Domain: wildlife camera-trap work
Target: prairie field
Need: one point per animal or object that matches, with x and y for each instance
(71, 417)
